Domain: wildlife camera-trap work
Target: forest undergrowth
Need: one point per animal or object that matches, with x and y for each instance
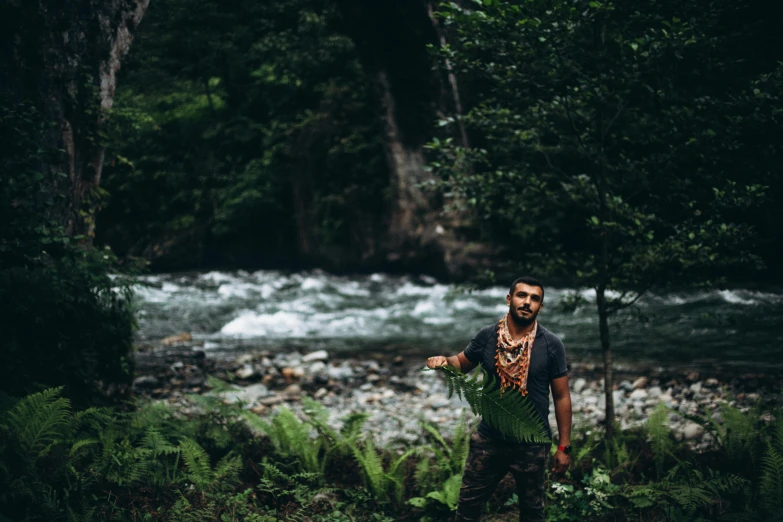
(223, 463)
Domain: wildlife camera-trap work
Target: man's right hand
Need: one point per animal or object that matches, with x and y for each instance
(435, 362)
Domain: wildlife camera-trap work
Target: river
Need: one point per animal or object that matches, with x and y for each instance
(417, 316)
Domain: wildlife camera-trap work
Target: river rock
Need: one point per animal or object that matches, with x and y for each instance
(245, 372)
(626, 386)
(579, 385)
(692, 376)
(696, 387)
(248, 394)
(618, 396)
(146, 381)
(712, 382)
(292, 373)
(654, 392)
(340, 373)
(176, 339)
(638, 395)
(317, 368)
(319, 355)
(692, 431)
(641, 382)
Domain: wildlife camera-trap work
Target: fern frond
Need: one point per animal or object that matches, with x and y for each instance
(197, 462)
(510, 413)
(41, 419)
(771, 486)
(371, 466)
(353, 424)
(658, 433)
(227, 469)
(460, 446)
(82, 443)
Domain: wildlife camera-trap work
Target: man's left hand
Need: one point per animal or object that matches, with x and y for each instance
(561, 462)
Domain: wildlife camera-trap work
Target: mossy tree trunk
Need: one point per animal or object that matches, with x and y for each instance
(63, 58)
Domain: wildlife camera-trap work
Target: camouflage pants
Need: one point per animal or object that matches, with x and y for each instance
(488, 462)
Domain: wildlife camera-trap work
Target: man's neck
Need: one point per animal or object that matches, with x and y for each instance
(516, 330)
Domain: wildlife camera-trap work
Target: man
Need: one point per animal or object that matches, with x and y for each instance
(524, 357)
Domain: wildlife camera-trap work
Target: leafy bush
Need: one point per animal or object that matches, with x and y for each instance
(65, 321)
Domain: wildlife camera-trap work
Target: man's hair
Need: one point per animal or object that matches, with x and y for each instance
(528, 280)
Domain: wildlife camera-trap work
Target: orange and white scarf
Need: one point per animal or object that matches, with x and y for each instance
(512, 358)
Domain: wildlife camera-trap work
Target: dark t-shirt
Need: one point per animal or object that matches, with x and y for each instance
(547, 362)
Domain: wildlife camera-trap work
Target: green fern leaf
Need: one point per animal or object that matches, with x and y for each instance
(197, 462)
(41, 419)
(512, 414)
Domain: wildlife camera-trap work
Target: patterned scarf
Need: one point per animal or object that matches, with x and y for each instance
(512, 358)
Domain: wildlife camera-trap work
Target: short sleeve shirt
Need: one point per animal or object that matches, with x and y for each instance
(547, 362)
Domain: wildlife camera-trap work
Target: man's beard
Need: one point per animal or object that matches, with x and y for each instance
(520, 321)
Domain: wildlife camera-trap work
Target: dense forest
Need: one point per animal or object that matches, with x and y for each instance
(622, 148)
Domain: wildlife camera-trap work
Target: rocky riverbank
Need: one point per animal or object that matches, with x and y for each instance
(397, 395)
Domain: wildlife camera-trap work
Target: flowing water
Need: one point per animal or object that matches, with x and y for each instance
(416, 316)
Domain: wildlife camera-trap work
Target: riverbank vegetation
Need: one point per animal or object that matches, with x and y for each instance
(222, 463)
(624, 146)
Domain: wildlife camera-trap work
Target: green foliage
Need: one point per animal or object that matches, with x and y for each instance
(66, 310)
(591, 502)
(771, 486)
(660, 436)
(292, 437)
(272, 121)
(604, 142)
(512, 414)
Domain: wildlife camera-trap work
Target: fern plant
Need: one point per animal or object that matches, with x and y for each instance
(292, 437)
(658, 434)
(771, 483)
(382, 484)
(511, 414)
(445, 459)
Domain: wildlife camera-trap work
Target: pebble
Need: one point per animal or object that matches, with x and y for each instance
(245, 372)
(320, 355)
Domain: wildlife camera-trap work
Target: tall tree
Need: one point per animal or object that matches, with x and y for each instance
(598, 137)
(64, 59)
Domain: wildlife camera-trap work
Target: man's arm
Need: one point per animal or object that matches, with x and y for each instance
(459, 362)
(561, 396)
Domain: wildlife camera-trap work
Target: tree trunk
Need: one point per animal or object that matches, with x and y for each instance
(606, 350)
(452, 77)
(63, 58)
(406, 167)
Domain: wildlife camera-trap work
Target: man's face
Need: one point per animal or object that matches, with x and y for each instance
(525, 303)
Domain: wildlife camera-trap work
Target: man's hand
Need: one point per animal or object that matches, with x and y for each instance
(437, 361)
(561, 462)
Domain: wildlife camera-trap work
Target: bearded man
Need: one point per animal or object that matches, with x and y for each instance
(522, 355)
